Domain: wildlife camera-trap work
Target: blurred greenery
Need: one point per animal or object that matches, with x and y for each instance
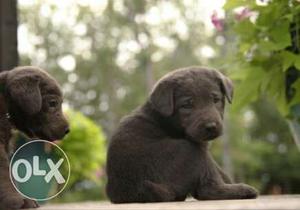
(85, 147)
(265, 64)
(117, 48)
(262, 149)
(108, 55)
(268, 46)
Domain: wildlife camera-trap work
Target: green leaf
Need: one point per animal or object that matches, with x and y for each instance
(276, 89)
(244, 47)
(246, 30)
(280, 35)
(267, 45)
(288, 59)
(281, 102)
(248, 89)
(231, 4)
(297, 8)
(267, 15)
(289, 17)
(296, 98)
(297, 62)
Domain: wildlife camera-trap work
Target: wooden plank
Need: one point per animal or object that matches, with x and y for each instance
(282, 202)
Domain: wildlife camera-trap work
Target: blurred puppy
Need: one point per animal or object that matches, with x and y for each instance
(160, 152)
(30, 101)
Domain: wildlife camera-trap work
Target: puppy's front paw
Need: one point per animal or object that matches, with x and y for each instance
(30, 204)
(17, 202)
(247, 192)
(12, 202)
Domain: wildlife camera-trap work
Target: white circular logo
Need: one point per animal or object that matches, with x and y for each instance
(35, 170)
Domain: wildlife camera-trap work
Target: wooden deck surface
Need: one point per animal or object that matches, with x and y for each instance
(283, 202)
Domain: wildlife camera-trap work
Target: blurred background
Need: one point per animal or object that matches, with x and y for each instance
(107, 54)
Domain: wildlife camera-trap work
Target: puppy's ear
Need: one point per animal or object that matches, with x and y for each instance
(226, 86)
(3, 76)
(162, 98)
(26, 93)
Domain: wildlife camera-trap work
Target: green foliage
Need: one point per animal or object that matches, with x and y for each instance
(85, 147)
(266, 65)
(262, 150)
(93, 193)
(119, 50)
(268, 47)
(296, 99)
(237, 3)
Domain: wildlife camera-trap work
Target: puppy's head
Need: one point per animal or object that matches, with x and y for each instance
(192, 101)
(34, 102)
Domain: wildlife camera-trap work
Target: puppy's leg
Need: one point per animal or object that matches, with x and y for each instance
(158, 192)
(212, 187)
(9, 198)
(226, 178)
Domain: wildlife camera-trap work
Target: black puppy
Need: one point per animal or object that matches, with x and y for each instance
(33, 101)
(160, 152)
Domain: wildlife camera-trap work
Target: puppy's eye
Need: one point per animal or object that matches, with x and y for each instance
(53, 103)
(216, 99)
(188, 104)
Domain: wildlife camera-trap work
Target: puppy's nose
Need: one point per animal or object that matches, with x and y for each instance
(67, 130)
(211, 126)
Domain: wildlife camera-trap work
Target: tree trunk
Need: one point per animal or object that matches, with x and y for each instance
(295, 131)
(8, 34)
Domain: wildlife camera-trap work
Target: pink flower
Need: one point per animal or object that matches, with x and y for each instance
(217, 22)
(245, 13)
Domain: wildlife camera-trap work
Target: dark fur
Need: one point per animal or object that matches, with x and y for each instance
(32, 99)
(160, 152)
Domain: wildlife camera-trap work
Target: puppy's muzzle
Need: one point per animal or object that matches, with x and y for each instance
(210, 127)
(67, 130)
(211, 130)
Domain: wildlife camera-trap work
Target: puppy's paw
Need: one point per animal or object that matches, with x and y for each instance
(29, 204)
(247, 192)
(12, 202)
